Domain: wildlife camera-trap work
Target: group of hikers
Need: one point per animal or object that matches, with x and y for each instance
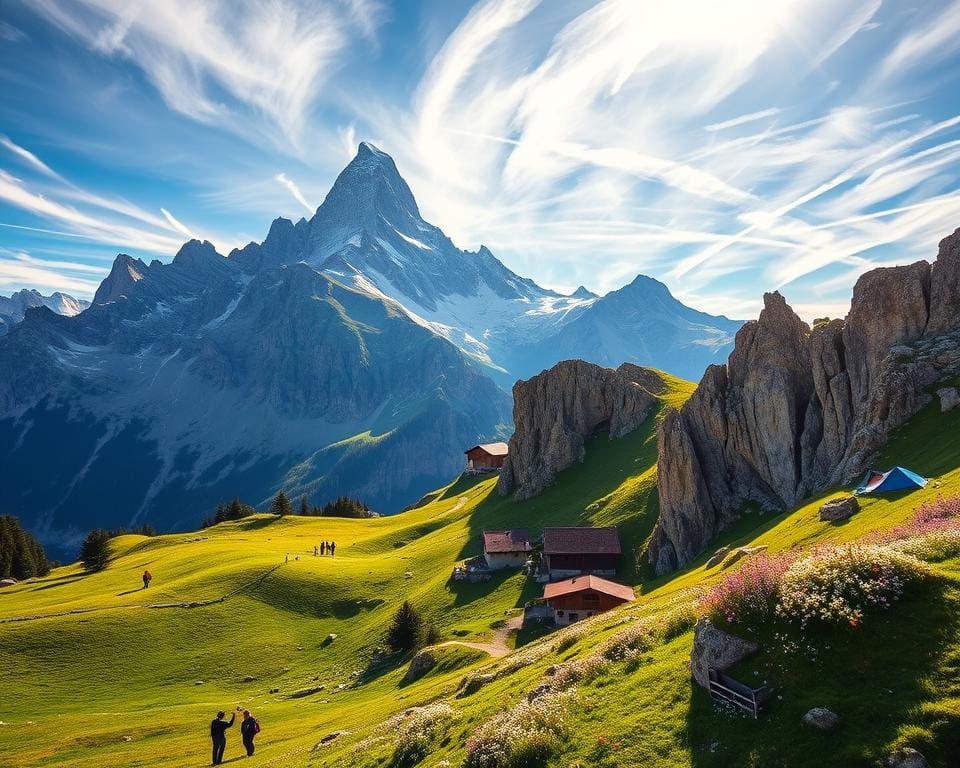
(249, 728)
(325, 548)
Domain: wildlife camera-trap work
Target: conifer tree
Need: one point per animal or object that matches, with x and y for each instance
(304, 507)
(406, 629)
(281, 505)
(95, 551)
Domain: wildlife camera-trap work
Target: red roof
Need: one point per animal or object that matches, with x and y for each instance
(493, 449)
(581, 541)
(584, 583)
(517, 540)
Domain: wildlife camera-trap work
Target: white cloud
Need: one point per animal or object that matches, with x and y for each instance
(742, 119)
(294, 191)
(177, 225)
(26, 155)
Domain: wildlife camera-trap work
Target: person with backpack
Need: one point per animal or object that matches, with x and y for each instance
(249, 728)
(147, 576)
(218, 735)
(333, 548)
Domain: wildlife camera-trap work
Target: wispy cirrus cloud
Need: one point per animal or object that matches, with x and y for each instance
(294, 190)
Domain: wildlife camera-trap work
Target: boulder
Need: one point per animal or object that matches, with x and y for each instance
(715, 649)
(822, 719)
(420, 664)
(474, 683)
(949, 398)
(718, 557)
(8, 582)
(330, 737)
(303, 692)
(840, 509)
(905, 758)
(741, 552)
(557, 410)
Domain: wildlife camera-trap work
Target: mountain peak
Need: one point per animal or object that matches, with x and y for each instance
(583, 292)
(125, 273)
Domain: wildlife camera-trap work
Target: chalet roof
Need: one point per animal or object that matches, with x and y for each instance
(516, 540)
(581, 541)
(492, 449)
(584, 583)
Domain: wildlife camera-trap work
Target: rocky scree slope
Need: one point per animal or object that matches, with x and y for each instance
(796, 409)
(557, 410)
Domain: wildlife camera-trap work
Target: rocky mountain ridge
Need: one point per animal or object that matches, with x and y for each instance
(796, 410)
(557, 410)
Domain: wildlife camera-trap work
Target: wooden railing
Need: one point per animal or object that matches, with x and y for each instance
(725, 688)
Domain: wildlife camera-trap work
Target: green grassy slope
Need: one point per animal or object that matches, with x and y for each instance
(84, 683)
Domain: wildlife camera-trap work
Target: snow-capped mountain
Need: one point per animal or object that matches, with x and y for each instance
(354, 353)
(369, 232)
(14, 307)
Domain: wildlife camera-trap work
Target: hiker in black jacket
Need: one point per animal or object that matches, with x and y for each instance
(218, 735)
(248, 729)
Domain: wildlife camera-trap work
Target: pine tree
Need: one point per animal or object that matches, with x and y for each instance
(406, 630)
(281, 505)
(21, 555)
(304, 507)
(235, 510)
(95, 551)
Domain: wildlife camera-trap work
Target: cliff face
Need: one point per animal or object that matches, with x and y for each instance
(795, 410)
(555, 411)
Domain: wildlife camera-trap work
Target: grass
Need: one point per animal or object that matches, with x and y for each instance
(121, 684)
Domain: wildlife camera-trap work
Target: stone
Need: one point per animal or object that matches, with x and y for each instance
(8, 582)
(420, 664)
(716, 649)
(249, 679)
(274, 690)
(199, 682)
(905, 758)
(330, 737)
(840, 509)
(557, 410)
(822, 719)
(303, 692)
(797, 410)
(331, 637)
(539, 691)
(949, 398)
(474, 683)
(741, 552)
(127, 738)
(718, 557)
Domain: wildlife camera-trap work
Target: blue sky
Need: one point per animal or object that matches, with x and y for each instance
(725, 148)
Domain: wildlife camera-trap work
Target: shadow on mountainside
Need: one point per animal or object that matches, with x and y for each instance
(893, 677)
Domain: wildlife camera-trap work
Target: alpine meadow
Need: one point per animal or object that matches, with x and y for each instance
(485, 384)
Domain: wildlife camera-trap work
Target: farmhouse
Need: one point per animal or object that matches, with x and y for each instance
(575, 551)
(584, 596)
(486, 457)
(506, 549)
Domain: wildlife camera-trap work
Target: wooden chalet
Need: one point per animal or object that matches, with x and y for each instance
(486, 457)
(506, 548)
(583, 596)
(575, 551)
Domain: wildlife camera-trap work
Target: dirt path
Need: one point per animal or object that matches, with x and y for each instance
(497, 647)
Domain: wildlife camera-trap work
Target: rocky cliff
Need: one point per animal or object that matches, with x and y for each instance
(798, 409)
(555, 411)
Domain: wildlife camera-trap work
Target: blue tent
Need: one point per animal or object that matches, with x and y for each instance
(896, 479)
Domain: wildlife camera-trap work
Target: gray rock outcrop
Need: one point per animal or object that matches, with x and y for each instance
(420, 664)
(715, 649)
(556, 411)
(796, 409)
(822, 719)
(840, 509)
(949, 398)
(905, 758)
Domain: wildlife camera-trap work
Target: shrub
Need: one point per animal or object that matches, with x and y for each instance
(749, 594)
(522, 737)
(839, 585)
(416, 730)
(95, 551)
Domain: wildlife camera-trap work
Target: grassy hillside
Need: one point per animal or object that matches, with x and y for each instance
(104, 679)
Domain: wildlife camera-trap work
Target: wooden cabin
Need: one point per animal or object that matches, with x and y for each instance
(506, 549)
(575, 551)
(584, 596)
(486, 457)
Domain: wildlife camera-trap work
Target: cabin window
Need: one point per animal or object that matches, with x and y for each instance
(573, 616)
(591, 598)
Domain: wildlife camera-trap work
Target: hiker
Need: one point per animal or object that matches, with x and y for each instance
(323, 548)
(287, 558)
(333, 548)
(315, 550)
(249, 728)
(218, 735)
(146, 579)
